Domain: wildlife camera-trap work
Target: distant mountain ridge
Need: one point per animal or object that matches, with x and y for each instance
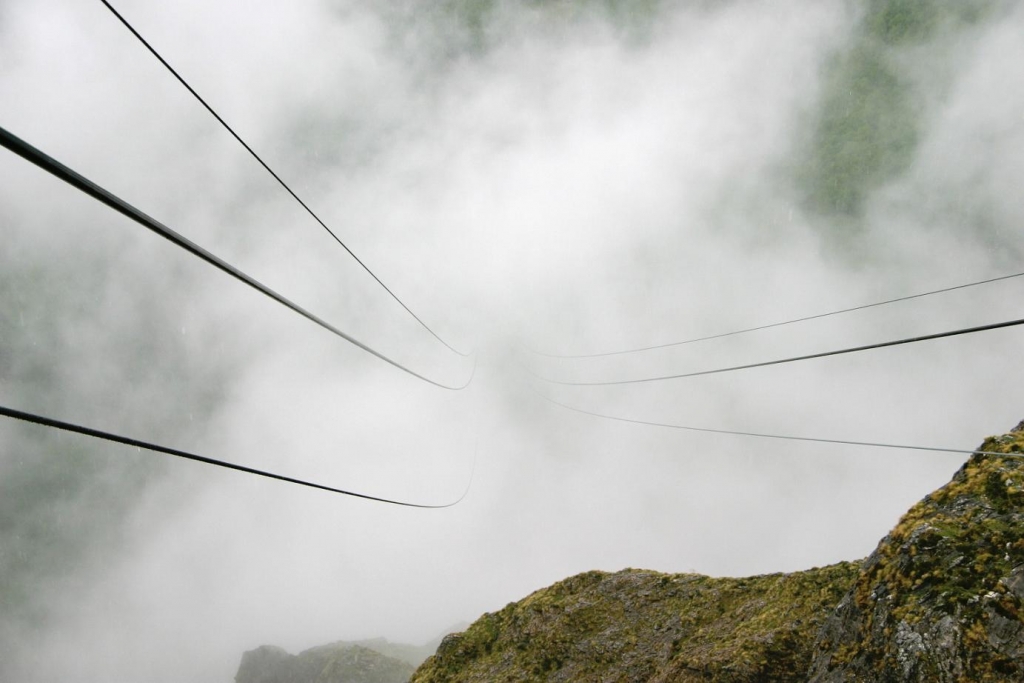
(412, 654)
(374, 660)
(941, 600)
(334, 663)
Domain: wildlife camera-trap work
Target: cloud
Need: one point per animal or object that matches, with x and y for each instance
(552, 177)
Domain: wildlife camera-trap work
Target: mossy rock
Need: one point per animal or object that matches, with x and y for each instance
(941, 597)
(940, 600)
(637, 625)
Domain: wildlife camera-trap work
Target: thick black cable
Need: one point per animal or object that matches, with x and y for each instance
(138, 443)
(845, 442)
(824, 354)
(780, 324)
(54, 167)
(276, 177)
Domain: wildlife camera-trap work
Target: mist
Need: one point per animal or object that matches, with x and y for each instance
(529, 178)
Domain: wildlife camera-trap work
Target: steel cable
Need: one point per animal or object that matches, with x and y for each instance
(844, 442)
(276, 177)
(824, 354)
(138, 443)
(54, 167)
(780, 324)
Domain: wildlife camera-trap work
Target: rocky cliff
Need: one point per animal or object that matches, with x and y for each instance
(939, 600)
(941, 597)
(645, 626)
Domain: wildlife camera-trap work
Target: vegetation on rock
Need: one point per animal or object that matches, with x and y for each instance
(940, 600)
(941, 597)
(639, 625)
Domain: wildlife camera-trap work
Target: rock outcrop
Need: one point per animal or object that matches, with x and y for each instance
(646, 626)
(939, 601)
(335, 663)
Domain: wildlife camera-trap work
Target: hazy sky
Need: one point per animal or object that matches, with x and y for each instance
(562, 177)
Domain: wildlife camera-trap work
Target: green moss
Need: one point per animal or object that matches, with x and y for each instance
(642, 625)
(949, 557)
(946, 565)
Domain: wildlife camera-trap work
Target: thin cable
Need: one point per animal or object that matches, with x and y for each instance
(275, 176)
(824, 354)
(54, 167)
(780, 324)
(128, 441)
(844, 442)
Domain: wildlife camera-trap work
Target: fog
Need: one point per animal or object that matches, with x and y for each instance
(529, 178)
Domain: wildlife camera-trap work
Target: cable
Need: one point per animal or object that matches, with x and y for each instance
(880, 345)
(128, 441)
(54, 167)
(773, 436)
(275, 176)
(780, 324)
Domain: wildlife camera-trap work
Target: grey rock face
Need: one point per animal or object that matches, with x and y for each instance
(265, 664)
(941, 600)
